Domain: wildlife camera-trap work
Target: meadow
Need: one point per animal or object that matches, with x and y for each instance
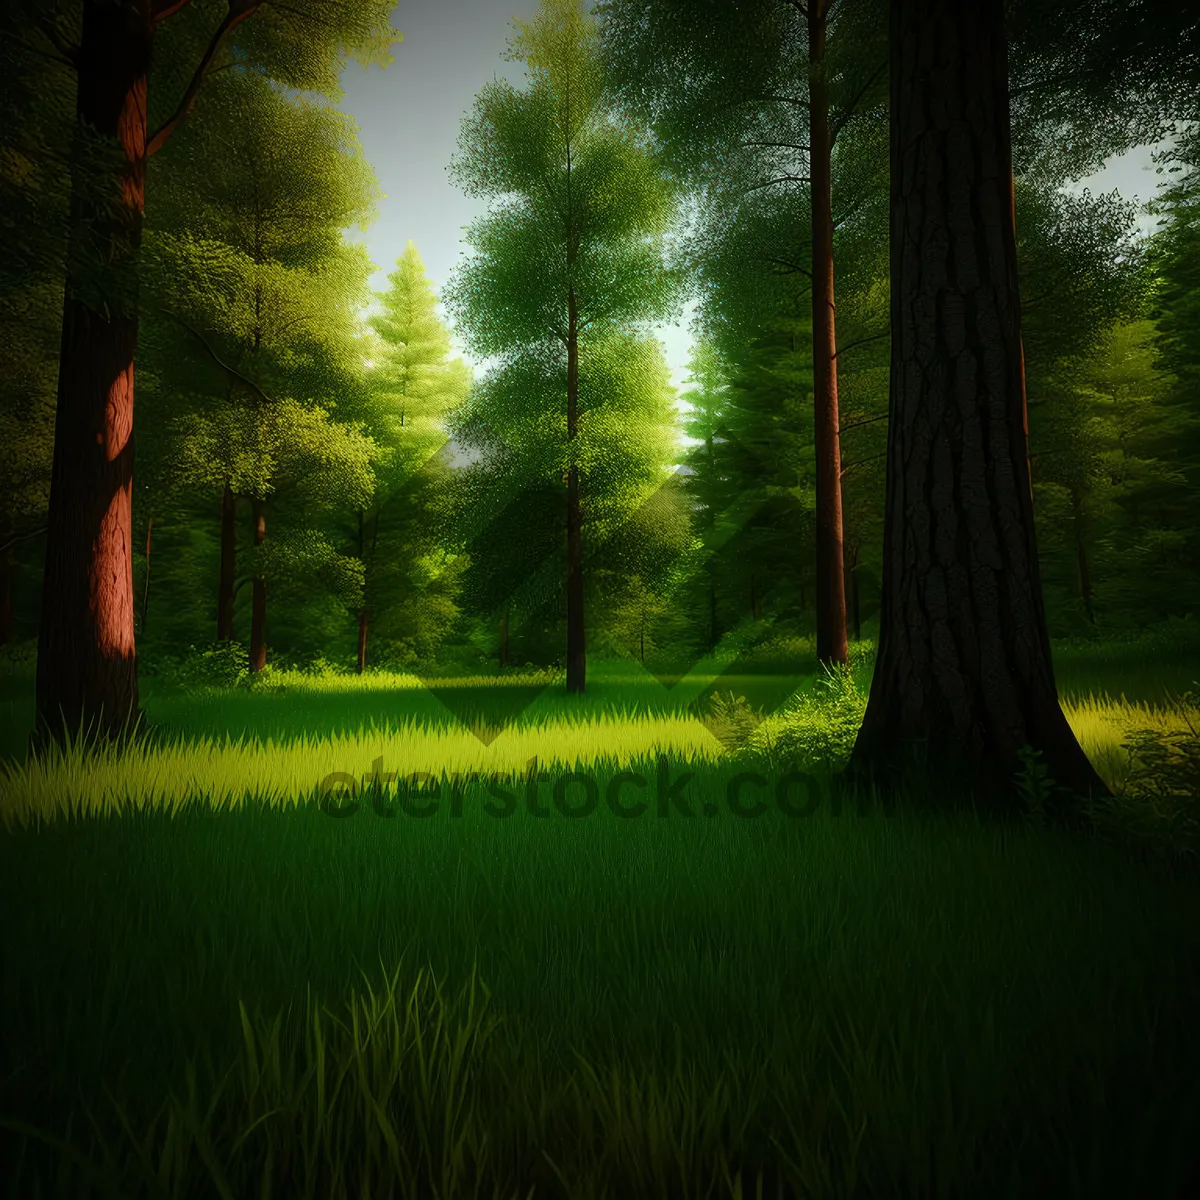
(214, 987)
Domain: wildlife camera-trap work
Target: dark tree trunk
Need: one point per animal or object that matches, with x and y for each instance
(8, 532)
(87, 663)
(1085, 574)
(576, 649)
(831, 593)
(964, 674)
(146, 580)
(362, 641)
(852, 592)
(227, 582)
(258, 609)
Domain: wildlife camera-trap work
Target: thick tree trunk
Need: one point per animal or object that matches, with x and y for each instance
(576, 649)
(831, 593)
(1085, 574)
(227, 583)
(87, 664)
(258, 608)
(146, 580)
(964, 674)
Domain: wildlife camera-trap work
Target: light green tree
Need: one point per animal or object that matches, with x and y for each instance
(567, 264)
(413, 383)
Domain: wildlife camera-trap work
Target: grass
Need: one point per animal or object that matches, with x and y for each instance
(223, 991)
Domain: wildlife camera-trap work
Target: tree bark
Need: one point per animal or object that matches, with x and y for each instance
(258, 608)
(146, 581)
(831, 592)
(227, 582)
(576, 649)
(964, 675)
(1085, 575)
(87, 663)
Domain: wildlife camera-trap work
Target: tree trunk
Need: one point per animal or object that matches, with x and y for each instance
(8, 532)
(362, 640)
(1085, 575)
(227, 582)
(258, 610)
(964, 674)
(852, 592)
(87, 662)
(146, 581)
(576, 650)
(831, 592)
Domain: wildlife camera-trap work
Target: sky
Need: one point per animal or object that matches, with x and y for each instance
(409, 113)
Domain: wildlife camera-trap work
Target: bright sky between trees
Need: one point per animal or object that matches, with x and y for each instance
(409, 118)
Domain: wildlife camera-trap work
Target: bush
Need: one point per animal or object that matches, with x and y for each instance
(816, 729)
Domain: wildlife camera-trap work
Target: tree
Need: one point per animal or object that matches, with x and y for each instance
(964, 665)
(87, 668)
(249, 262)
(762, 106)
(413, 384)
(571, 256)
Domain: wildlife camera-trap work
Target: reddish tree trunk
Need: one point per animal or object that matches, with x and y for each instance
(964, 674)
(87, 665)
(576, 649)
(227, 582)
(258, 608)
(831, 592)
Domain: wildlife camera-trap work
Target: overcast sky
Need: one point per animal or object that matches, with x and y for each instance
(409, 117)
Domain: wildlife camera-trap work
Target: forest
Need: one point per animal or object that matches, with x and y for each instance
(334, 595)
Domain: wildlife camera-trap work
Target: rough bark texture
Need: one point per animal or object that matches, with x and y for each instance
(227, 582)
(87, 667)
(831, 594)
(964, 673)
(576, 650)
(258, 607)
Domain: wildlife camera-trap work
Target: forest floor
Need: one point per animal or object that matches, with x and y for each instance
(225, 990)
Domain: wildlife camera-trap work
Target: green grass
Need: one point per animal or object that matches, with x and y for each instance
(221, 990)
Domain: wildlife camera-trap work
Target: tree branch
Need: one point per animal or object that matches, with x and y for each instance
(232, 371)
(778, 179)
(861, 342)
(864, 421)
(17, 538)
(168, 8)
(792, 267)
(783, 145)
(858, 462)
(837, 126)
(236, 13)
